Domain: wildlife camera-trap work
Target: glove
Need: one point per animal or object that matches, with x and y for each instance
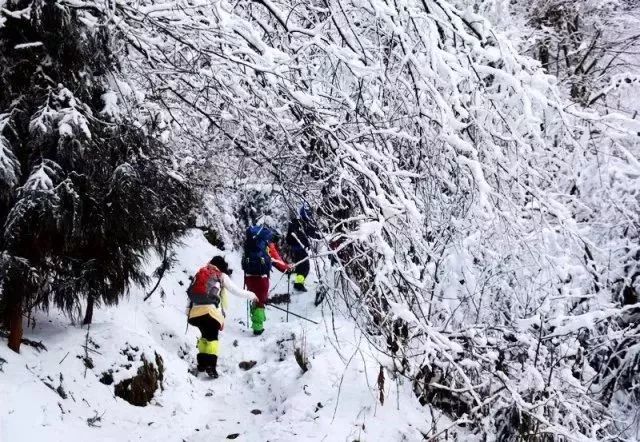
(253, 297)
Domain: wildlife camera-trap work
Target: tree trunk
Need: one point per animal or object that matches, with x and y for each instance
(88, 317)
(14, 322)
(629, 295)
(543, 55)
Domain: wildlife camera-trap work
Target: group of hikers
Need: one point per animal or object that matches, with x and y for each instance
(211, 284)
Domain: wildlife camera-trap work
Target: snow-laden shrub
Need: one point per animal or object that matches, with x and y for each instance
(447, 173)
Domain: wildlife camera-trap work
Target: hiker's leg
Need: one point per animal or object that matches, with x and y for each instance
(260, 286)
(258, 317)
(302, 269)
(208, 344)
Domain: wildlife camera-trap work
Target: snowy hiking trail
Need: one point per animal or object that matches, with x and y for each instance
(337, 399)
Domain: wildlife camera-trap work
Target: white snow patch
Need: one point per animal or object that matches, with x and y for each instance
(337, 399)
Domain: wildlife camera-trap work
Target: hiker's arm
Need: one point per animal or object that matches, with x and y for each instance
(276, 259)
(235, 290)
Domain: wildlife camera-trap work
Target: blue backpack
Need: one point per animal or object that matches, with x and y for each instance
(256, 259)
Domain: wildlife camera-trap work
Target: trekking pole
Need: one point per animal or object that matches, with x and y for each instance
(292, 314)
(277, 283)
(288, 294)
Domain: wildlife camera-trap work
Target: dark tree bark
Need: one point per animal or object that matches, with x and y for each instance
(629, 295)
(88, 317)
(14, 322)
(543, 55)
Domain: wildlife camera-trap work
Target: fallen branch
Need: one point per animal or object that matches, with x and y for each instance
(281, 298)
(62, 360)
(92, 420)
(38, 345)
(165, 265)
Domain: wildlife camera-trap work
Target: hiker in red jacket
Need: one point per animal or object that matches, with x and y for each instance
(208, 295)
(260, 254)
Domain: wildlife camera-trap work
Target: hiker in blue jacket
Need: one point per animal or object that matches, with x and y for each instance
(260, 255)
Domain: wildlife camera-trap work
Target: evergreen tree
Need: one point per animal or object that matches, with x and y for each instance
(85, 190)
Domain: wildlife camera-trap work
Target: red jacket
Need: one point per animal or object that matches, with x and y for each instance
(276, 259)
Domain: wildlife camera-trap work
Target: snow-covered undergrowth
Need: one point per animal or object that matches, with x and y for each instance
(484, 227)
(337, 399)
(454, 180)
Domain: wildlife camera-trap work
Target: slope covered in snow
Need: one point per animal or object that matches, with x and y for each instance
(337, 399)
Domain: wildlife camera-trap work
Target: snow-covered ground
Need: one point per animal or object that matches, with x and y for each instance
(336, 400)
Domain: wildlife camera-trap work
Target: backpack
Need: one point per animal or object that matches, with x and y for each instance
(206, 286)
(256, 259)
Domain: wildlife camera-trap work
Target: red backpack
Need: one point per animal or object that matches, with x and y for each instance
(206, 286)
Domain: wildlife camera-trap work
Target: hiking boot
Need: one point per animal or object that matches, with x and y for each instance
(211, 369)
(299, 287)
(258, 332)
